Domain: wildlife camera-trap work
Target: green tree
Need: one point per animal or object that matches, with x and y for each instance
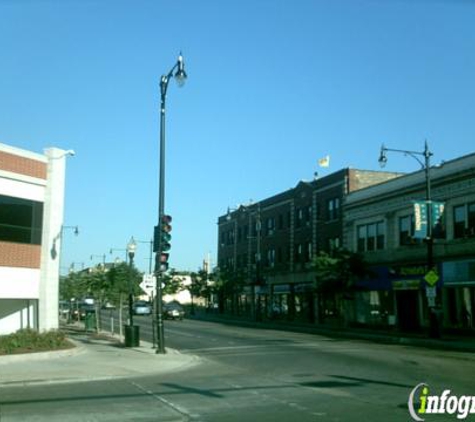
(71, 287)
(173, 282)
(228, 285)
(121, 278)
(199, 284)
(335, 279)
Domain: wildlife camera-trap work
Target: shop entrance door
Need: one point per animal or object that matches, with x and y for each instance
(408, 309)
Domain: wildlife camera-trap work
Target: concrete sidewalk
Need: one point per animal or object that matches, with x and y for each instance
(95, 357)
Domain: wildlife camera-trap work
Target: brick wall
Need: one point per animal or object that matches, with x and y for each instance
(19, 255)
(22, 165)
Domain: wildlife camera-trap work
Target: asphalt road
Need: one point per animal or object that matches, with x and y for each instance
(250, 374)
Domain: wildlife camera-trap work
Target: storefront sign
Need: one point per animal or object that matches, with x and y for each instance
(406, 284)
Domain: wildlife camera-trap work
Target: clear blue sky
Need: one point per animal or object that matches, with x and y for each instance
(272, 87)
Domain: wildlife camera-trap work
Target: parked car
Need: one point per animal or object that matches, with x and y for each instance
(108, 305)
(142, 307)
(79, 312)
(173, 311)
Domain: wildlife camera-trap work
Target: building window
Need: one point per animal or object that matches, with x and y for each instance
(299, 221)
(371, 237)
(406, 230)
(309, 251)
(380, 235)
(298, 252)
(271, 258)
(256, 227)
(464, 220)
(245, 232)
(308, 215)
(230, 237)
(361, 238)
(333, 208)
(333, 244)
(21, 220)
(270, 226)
(281, 222)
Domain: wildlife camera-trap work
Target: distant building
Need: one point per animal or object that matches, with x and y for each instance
(266, 248)
(31, 218)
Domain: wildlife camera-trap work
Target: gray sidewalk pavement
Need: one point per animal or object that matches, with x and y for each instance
(94, 357)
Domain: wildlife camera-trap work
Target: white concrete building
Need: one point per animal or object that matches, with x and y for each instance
(31, 221)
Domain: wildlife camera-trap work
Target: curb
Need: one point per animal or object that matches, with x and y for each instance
(428, 343)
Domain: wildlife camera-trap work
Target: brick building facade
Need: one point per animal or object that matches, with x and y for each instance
(267, 247)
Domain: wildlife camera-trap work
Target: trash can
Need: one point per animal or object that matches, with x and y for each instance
(90, 321)
(132, 335)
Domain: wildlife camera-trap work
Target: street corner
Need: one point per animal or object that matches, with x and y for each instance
(76, 349)
(145, 360)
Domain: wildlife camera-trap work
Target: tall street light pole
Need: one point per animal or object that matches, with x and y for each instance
(426, 154)
(178, 72)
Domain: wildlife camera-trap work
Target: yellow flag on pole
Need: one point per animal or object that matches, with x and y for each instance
(324, 162)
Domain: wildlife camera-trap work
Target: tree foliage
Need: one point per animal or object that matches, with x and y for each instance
(100, 283)
(338, 272)
(173, 282)
(199, 286)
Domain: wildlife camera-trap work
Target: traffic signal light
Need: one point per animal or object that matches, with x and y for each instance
(161, 234)
(162, 237)
(165, 230)
(162, 261)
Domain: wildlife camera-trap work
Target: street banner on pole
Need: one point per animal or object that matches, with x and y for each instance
(420, 219)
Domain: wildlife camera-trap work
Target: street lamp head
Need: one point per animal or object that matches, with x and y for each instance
(382, 157)
(180, 75)
(131, 247)
(76, 231)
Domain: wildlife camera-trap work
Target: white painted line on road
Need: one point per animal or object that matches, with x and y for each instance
(174, 406)
(181, 333)
(222, 348)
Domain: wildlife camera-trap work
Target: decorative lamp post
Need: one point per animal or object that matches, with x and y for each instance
(131, 247)
(178, 72)
(132, 332)
(425, 164)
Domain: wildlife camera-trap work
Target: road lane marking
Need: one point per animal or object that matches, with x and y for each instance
(181, 410)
